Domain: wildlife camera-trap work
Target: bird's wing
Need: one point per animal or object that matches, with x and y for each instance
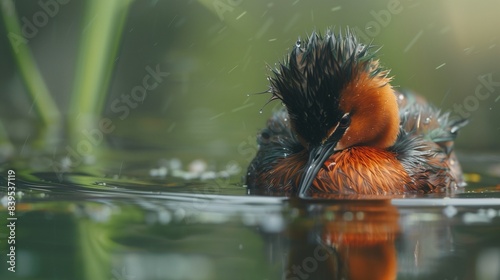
(432, 133)
(276, 141)
(420, 118)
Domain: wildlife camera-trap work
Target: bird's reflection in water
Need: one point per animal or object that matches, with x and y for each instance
(343, 240)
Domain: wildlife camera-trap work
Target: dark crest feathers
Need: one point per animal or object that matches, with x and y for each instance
(311, 78)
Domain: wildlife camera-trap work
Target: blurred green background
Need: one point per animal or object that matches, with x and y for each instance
(92, 58)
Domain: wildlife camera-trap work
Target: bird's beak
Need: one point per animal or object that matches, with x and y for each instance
(317, 156)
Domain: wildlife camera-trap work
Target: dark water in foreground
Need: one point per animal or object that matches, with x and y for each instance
(153, 224)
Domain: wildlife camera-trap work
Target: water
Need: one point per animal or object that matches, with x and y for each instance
(134, 222)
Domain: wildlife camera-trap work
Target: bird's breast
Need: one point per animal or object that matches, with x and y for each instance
(363, 170)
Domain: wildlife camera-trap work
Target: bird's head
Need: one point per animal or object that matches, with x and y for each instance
(337, 96)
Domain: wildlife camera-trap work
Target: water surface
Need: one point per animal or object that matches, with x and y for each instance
(182, 221)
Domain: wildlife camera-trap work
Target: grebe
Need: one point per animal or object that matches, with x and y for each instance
(345, 130)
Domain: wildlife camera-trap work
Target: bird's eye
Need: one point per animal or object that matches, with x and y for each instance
(345, 121)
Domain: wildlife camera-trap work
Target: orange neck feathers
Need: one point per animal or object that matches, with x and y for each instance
(373, 107)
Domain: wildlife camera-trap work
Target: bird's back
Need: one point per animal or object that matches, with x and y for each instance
(425, 144)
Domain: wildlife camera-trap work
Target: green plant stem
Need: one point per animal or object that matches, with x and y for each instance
(102, 27)
(35, 84)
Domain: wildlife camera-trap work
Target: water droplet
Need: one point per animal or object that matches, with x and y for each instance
(360, 215)
(348, 216)
(297, 44)
(491, 213)
(164, 216)
(450, 211)
(175, 164)
(330, 216)
(272, 223)
(198, 166)
(179, 214)
(260, 111)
